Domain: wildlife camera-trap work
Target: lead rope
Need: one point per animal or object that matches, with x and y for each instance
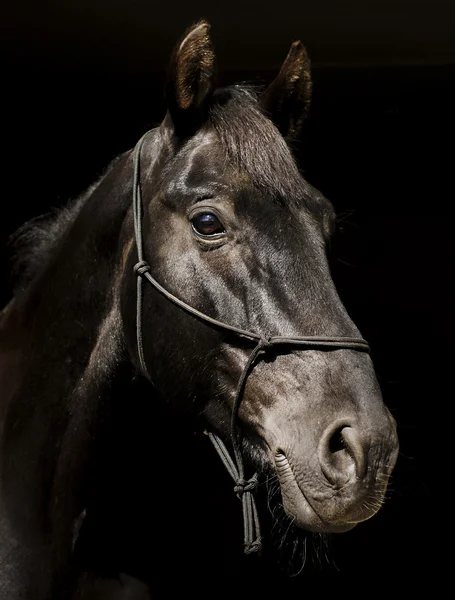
(244, 488)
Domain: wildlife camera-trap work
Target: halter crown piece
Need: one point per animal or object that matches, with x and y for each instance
(244, 488)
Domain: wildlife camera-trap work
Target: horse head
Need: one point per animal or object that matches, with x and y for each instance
(230, 227)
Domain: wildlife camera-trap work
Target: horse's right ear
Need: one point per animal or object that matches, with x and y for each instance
(191, 80)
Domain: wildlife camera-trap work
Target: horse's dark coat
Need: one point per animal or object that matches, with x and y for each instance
(68, 347)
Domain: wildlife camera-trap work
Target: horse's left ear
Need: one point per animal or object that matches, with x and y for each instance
(190, 80)
(287, 99)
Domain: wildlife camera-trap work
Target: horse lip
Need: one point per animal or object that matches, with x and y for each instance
(306, 516)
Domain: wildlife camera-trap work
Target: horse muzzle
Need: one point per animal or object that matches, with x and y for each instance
(344, 481)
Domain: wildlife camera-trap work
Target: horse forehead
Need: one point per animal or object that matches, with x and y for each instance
(203, 160)
(203, 168)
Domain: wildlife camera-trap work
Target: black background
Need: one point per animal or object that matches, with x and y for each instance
(81, 84)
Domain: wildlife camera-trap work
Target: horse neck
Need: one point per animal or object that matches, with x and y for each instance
(72, 303)
(68, 342)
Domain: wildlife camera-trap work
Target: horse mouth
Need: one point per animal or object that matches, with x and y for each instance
(298, 506)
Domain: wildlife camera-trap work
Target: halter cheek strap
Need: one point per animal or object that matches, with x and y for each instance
(244, 488)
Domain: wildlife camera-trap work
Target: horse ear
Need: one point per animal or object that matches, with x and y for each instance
(287, 99)
(190, 81)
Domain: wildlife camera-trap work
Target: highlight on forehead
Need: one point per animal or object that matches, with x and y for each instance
(254, 145)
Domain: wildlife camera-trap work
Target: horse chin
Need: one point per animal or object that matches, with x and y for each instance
(298, 507)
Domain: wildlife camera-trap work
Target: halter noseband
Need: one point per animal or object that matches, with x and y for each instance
(244, 488)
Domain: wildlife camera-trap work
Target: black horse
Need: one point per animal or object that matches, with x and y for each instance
(212, 206)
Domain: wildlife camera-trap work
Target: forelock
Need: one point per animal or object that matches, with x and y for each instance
(254, 145)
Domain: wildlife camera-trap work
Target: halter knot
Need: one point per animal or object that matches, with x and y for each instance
(245, 485)
(254, 547)
(265, 342)
(141, 267)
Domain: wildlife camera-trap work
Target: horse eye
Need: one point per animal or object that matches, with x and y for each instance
(207, 224)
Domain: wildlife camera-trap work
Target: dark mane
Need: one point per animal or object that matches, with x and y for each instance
(34, 241)
(254, 145)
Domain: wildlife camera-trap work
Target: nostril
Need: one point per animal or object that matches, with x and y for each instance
(341, 461)
(357, 448)
(336, 442)
(342, 455)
